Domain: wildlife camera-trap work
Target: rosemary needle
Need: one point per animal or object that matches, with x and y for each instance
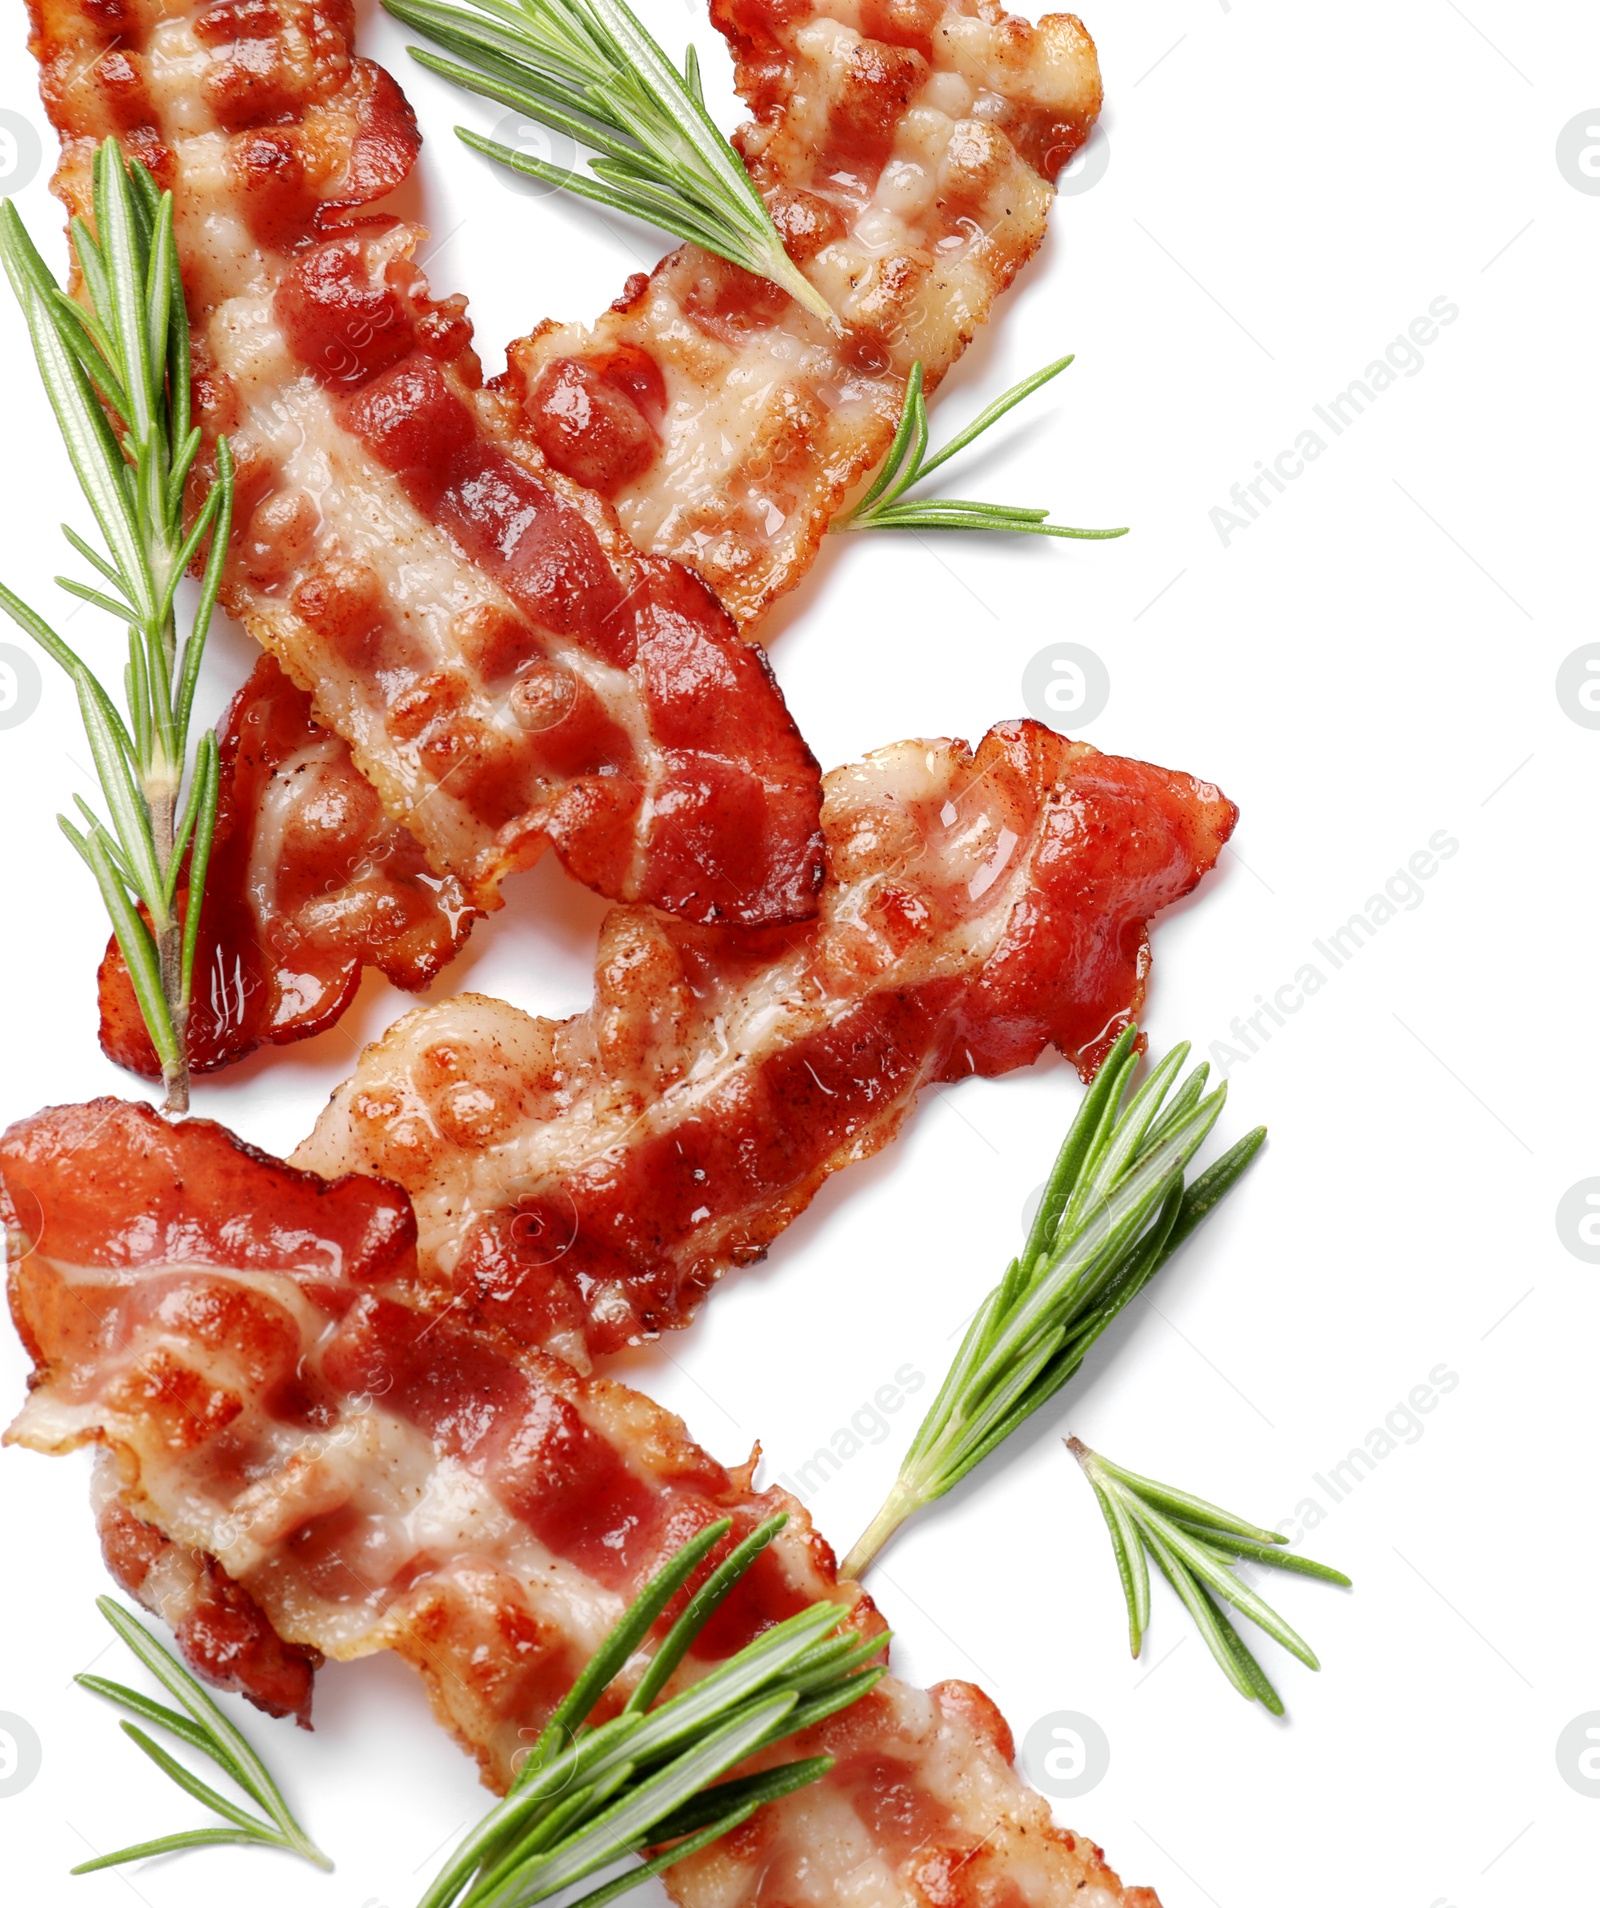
(1115, 1209)
(200, 1724)
(1193, 1543)
(885, 506)
(116, 369)
(589, 69)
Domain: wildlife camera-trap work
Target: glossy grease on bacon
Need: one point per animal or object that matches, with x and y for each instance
(582, 1183)
(243, 1341)
(508, 669)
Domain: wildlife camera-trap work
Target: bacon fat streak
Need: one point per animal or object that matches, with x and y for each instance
(905, 150)
(582, 1183)
(507, 668)
(243, 1343)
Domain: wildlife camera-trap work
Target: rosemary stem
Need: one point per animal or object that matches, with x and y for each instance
(1113, 1211)
(892, 1513)
(169, 949)
(116, 366)
(160, 783)
(588, 69)
(302, 1845)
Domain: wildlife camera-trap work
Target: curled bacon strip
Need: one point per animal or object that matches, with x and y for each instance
(309, 882)
(219, 1627)
(582, 1183)
(905, 149)
(508, 669)
(243, 1339)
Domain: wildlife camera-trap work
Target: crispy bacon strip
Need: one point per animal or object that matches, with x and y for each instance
(582, 1183)
(309, 882)
(508, 669)
(243, 1340)
(905, 148)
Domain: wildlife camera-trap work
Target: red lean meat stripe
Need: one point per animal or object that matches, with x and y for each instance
(583, 1183)
(309, 881)
(508, 669)
(243, 1343)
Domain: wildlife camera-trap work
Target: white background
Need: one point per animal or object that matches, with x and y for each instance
(1372, 661)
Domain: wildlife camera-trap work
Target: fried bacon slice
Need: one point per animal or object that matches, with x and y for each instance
(309, 882)
(509, 670)
(905, 149)
(582, 1183)
(243, 1341)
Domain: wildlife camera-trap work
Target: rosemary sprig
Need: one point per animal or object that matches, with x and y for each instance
(1193, 1543)
(201, 1724)
(886, 506)
(1115, 1209)
(589, 1795)
(589, 69)
(116, 369)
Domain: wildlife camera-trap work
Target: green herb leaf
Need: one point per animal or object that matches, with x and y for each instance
(591, 1795)
(200, 1724)
(588, 68)
(1114, 1210)
(1192, 1541)
(171, 1845)
(116, 371)
(885, 505)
